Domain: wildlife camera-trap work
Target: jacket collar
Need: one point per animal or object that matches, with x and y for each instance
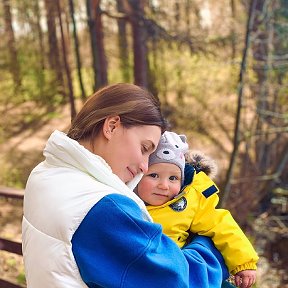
(63, 151)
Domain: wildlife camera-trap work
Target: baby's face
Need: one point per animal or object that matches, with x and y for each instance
(160, 184)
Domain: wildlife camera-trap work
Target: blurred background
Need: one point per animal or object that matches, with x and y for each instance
(219, 68)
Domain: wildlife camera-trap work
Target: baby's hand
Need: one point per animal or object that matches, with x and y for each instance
(245, 278)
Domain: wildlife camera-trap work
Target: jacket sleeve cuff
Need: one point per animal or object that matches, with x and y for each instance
(246, 266)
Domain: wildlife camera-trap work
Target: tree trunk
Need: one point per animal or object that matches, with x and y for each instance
(233, 32)
(97, 43)
(13, 61)
(41, 81)
(236, 140)
(139, 42)
(54, 55)
(77, 52)
(262, 55)
(40, 35)
(66, 64)
(123, 44)
(179, 68)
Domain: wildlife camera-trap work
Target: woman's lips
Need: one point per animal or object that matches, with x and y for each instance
(132, 173)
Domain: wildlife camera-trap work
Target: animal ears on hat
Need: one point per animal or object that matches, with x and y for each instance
(184, 140)
(179, 141)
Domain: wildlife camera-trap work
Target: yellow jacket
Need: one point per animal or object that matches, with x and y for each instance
(194, 210)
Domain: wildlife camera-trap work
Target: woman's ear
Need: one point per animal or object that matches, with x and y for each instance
(111, 123)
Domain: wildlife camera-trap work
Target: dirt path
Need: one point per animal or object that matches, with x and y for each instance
(35, 138)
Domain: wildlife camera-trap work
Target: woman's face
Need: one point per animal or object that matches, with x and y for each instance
(128, 149)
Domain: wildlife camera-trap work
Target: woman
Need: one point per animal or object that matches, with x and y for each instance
(83, 225)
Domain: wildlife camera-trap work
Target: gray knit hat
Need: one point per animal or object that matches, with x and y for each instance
(171, 149)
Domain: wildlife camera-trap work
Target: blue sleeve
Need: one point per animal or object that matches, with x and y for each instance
(211, 269)
(115, 247)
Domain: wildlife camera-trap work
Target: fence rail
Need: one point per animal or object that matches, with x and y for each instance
(8, 245)
(11, 193)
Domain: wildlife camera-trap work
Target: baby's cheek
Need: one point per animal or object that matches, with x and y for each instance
(176, 189)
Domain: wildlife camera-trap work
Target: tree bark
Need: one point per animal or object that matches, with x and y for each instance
(77, 51)
(179, 68)
(139, 42)
(40, 35)
(13, 59)
(123, 43)
(66, 64)
(97, 43)
(41, 76)
(54, 55)
(236, 140)
(233, 32)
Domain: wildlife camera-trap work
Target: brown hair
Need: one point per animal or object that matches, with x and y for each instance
(134, 105)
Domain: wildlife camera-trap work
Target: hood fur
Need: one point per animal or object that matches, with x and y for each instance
(202, 162)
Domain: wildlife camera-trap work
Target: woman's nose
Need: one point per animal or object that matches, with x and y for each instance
(144, 166)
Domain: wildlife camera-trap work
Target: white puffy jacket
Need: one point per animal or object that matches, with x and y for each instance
(59, 193)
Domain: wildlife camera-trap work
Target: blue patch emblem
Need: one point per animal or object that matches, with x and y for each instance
(179, 205)
(209, 191)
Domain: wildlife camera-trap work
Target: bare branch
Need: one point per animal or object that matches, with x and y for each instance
(236, 141)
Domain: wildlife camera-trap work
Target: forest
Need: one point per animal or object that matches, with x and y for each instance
(219, 69)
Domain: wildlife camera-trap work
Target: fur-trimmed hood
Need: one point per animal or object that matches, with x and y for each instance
(202, 162)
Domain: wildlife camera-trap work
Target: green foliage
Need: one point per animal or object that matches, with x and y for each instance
(6, 87)
(198, 75)
(11, 176)
(87, 77)
(21, 279)
(11, 262)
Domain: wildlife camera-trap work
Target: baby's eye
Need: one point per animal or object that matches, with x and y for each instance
(153, 175)
(173, 178)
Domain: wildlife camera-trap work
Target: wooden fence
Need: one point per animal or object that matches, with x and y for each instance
(8, 245)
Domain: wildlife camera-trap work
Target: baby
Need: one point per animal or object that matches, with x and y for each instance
(192, 209)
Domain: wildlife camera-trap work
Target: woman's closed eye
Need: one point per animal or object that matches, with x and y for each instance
(145, 149)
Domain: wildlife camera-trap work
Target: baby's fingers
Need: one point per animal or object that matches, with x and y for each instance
(244, 282)
(237, 280)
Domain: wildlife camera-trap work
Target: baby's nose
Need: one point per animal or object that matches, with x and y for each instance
(163, 184)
